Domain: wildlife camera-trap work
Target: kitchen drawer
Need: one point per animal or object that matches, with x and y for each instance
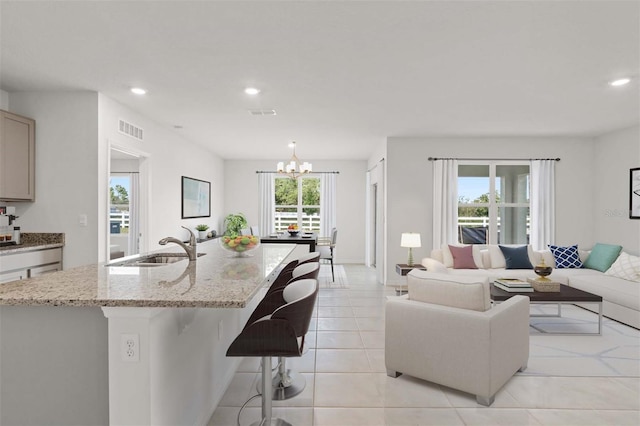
(13, 276)
(46, 269)
(30, 259)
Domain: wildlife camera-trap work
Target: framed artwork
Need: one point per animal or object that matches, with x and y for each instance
(634, 193)
(196, 198)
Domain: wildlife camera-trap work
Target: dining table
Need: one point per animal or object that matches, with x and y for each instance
(310, 238)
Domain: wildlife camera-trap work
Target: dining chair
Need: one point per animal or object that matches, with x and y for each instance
(325, 246)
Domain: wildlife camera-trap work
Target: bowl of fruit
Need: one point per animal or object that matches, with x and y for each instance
(293, 230)
(239, 244)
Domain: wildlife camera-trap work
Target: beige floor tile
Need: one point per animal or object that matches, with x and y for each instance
(376, 360)
(348, 416)
(373, 339)
(421, 416)
(337, 324)
(577, 418)
(226, 416)
(407, 391)
(333, 301)
(370, 324)
(494, 416)
(356, 390)
(339, 340)
(368, 311)
(335, 312)
(303, 399)
(239, 390)
(342, 361)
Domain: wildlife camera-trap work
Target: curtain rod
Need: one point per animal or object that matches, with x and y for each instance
(492, 159)
(309, 173)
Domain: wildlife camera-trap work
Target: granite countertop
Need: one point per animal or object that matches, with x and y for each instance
(215, 280)
(30, 241)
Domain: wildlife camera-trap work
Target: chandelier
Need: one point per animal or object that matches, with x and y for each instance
(294, 168)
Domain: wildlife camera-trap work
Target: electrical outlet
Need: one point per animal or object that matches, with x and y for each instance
(130, 347)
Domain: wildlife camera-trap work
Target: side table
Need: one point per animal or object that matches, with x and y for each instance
(403, 269)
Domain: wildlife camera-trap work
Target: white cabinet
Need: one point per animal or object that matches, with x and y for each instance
(20, 266)
(17, 157)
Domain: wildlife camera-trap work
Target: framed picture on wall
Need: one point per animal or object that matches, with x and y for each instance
(634, 193)
(196, 198)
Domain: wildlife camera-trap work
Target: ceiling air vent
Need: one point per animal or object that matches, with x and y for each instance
(262, 111)
(130, 130)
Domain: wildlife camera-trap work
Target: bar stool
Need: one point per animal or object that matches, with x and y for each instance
(281, 334)
(285, 274)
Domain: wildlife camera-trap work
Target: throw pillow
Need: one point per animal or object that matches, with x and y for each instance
(516, 257)
(447, 258)
(462, 257)
(463, 292)
(566, 257)
(497, 257)
(602, 256)
(626, 267)
(433, 265)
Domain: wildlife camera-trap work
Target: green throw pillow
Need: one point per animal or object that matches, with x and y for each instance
(602, 256)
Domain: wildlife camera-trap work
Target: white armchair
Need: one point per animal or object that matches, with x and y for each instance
(462, 346)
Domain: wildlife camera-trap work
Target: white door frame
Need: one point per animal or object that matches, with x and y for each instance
(144, 174)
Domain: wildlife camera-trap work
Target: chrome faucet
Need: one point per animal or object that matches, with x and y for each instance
(190, 248)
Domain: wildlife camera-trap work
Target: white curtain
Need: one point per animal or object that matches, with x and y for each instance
(328, 203)
(445, 202)
(542, 203)
(134, 208)
(267, 203)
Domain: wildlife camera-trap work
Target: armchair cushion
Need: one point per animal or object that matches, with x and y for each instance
(449, 290)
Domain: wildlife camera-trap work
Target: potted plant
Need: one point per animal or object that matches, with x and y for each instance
(202, 231)
(234, 223)
(233, 240)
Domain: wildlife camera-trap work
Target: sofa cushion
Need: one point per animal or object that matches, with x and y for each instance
(449, 290)
(433, 265)
(516, 257)
(462, 257)
(497, 258)
(566, 257)
(602, 256)
(612, 289)
(626, 267)
(447, 257)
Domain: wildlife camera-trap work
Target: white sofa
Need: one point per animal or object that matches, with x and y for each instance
(621, 298)
(445, 331)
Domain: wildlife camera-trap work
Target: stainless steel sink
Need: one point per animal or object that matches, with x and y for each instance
(156, 259)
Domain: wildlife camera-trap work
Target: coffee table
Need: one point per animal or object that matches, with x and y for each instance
(566, 295)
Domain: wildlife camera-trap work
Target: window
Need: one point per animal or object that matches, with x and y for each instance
(297, 201)
(493, 203)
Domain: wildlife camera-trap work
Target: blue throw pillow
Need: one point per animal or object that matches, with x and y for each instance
(516, 257)
(602, 256)
(566, 257)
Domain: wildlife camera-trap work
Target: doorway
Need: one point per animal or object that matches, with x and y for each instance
(127, 207)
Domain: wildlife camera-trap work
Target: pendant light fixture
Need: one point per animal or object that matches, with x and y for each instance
(294, 168)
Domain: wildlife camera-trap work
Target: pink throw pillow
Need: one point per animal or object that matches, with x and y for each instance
(462, 257)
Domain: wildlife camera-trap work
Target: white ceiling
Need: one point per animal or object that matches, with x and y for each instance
(342, 76)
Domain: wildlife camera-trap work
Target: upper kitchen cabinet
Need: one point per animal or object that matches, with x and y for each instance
(17, 157)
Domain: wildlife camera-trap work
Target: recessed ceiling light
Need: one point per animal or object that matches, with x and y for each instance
(138, 90)
(619, 82)
(251, 91)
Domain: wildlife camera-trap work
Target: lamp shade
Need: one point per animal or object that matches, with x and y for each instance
(410, 239)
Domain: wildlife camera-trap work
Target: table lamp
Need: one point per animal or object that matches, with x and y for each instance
(410, 240)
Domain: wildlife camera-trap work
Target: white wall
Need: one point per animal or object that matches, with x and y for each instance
(171, 157)
(73, 133)
(241, 186)
(66, 164)
(614, 154)
(409, 180)
(4, 100)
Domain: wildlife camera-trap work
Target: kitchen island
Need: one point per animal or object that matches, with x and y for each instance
(141, 345)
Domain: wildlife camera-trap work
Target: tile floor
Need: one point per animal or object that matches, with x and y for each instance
(347, 383)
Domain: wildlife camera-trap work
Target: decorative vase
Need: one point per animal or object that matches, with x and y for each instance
(542, 270)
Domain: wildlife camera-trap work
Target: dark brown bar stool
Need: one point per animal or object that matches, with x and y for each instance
(281, 334)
